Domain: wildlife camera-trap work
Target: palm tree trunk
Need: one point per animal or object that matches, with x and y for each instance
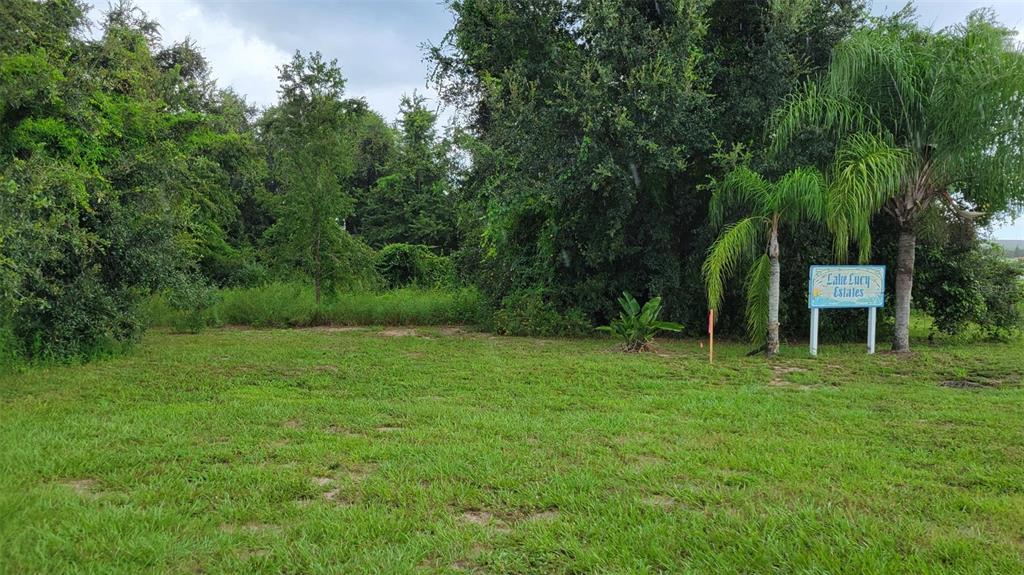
(772, 346)
(904, 288)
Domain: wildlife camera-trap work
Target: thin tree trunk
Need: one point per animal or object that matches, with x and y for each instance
(317, 273)
(904, 288)
(772, 346)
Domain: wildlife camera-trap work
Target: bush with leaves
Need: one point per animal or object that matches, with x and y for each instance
(409, 264)
(529, 313)
(960, 286)
(194, 302)
(637, 325)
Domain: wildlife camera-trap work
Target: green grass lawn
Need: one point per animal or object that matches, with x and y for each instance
(430, 450)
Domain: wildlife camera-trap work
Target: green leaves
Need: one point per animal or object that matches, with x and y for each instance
(311, 159)
(918, 113)
(867, 173)
(798, 197)
(637, 325)
(738, 242)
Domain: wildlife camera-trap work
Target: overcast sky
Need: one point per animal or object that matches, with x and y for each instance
(378, 42)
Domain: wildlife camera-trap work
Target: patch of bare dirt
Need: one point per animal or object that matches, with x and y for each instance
(484, 519)
(984, 378)
(334, 328)
(642, 461)
(246, 554)
(961, 384)
(361, 472)
(659, 501)
(400, 332)
(81, 486)
(292, 424)
(779, 373)
(322, 481)
(389, 428)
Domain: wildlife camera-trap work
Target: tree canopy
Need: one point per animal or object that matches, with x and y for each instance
(582, 160)
(936, 120)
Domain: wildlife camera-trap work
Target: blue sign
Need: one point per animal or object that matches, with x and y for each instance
(846, 287)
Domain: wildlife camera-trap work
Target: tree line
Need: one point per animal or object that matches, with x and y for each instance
(593, 138)
(126, 171)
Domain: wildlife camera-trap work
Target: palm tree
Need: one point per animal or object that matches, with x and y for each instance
(796, 197)
(937, 120)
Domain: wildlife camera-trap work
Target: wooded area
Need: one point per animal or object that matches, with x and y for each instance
(597, 148)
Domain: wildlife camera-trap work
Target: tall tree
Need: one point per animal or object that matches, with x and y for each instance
(96, 175)
(592, 126)
(950, 102)
(586, 115)
(796, 198)
(311, 158)
(413, 202)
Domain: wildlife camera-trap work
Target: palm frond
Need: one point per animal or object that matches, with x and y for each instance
(800, 195)
(741, 187)
(738, 242)
(867, 173)
(756, 286)
(815, 108)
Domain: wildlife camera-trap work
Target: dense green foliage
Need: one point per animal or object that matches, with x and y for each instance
(406, 264)
(585, 144)
(413, 201)
(593, 125)
(119, 162)
(636, 326)
(933, 119)
(125, 171)
(529, 313)
(963, 283)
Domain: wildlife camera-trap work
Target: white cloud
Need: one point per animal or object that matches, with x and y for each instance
(242, 61)
(1009, 230)
(238, 59)
(379, 62)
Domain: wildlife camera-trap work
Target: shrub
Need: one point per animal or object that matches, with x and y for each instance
(407, 306)
(194, 303)
(959, 287)
(277, 304)
(407, 264)
(529, 314)
(10, 349)
(637, 326)
(84, 319)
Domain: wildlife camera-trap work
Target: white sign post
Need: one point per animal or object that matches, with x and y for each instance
(832, 287)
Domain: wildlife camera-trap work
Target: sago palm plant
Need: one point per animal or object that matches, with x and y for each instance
(753, 240)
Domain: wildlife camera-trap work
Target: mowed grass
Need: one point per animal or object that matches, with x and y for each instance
(432, 450)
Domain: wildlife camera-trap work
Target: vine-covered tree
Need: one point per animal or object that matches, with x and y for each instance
(96, 175)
